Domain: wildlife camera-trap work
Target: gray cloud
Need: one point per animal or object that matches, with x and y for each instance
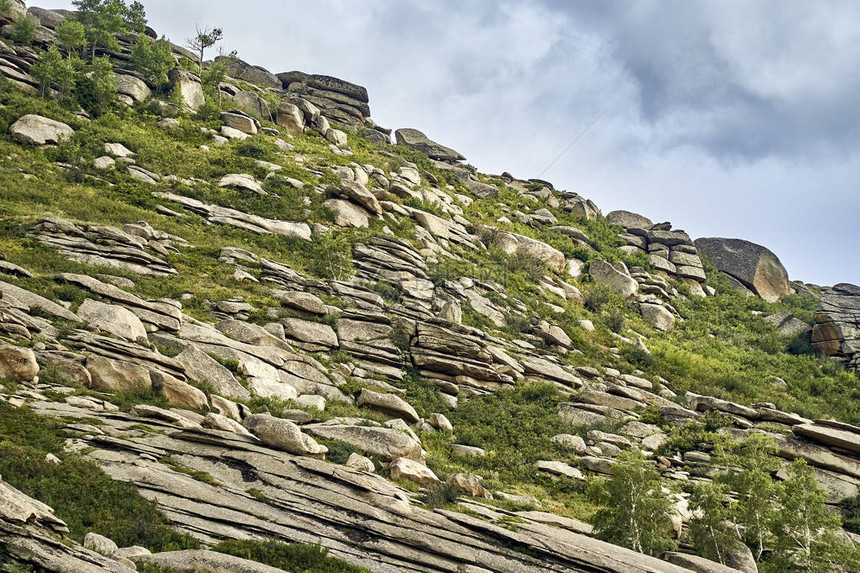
(728, 117)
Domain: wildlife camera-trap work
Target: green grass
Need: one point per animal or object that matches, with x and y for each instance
(81, 494)
(292, 557)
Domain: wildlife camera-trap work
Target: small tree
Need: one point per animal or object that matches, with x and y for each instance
(753, 462)
(96, 91)
(804, 532)
(637, 511)
(711, 531)
(104, 20)
(24, 31)
(206, 38)
(53, 69)
(152, 59)
(71, 36)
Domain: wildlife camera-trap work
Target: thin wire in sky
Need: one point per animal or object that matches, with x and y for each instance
(587, 127)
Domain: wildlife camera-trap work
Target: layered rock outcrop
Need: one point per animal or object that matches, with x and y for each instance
(837, 323)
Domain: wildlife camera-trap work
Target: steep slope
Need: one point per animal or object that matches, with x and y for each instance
(277, 323)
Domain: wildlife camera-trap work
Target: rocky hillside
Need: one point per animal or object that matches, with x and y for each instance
(245, 328)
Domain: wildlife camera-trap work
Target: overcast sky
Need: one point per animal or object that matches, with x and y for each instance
(730, 118)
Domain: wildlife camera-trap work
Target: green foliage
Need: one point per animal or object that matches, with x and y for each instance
(71, 35)
(516, 440)
(637, 510)
(753, 461)
(82, 495)
(338, 451)
(804, 531)
(24, 31)
(97, 89)
(441, 495)
(204, 39)
(53, 69)
(293, 557)
(711, 531)
(5, 8)
(152, 59)
(104, 20)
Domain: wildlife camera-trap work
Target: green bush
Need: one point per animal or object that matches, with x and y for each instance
(81, 494)
(293, 557)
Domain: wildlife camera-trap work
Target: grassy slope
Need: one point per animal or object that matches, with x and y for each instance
(722, 348)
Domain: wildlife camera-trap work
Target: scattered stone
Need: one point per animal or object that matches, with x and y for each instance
(17, 363)
(410, 470)
(359, 462)
(100, 544)
(604, 273)
(469, 484)
(657, 316)
(38, 130)
(559, 469)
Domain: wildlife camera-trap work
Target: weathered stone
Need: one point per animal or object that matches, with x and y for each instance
(420, 142)
(359, 462)
(705, 403)
(519, 245)
(386, 443)
(310, 332)
(117, 375)
(389, 404)
(559, 469)
(837, 324)
(100, 544)
(281, 434)
(201, 367)
(629, 220)
(347, 213)
(17, 363)
(244, 71)
(189, 88)
(337, 137)
(199, 560)
(657, 316)
(178, 392)
(754, 266)
(829, 436)
(104, 162)
(440, 422)
(113, 319)
(358, 194)
(241, 181)
(290, 117)
(604, 273)
(697, 564)
(787, 324)
(133, 87)
(463, 450)
(38, 130)
(552, 334)
(570, 442)
(410, 470)
(469, 484)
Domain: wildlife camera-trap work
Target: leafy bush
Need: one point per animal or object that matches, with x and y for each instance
(636, 512)
(440, 495)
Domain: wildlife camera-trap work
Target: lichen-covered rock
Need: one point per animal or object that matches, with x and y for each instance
(281, 434)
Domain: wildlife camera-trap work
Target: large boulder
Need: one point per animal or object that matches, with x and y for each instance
(603, 273)
(189, 88)
(281, 434)
(388, 404)
(117, 375)
(133, 87)
(629, 220)
(290, 117)
(17, 363)
(326, 84)
(754, 266)
(202, 560)
(519, 245)
(418, 141)
(410, 470)
(38, 130)
(116, 320)
(244, 71)
(386, 443)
